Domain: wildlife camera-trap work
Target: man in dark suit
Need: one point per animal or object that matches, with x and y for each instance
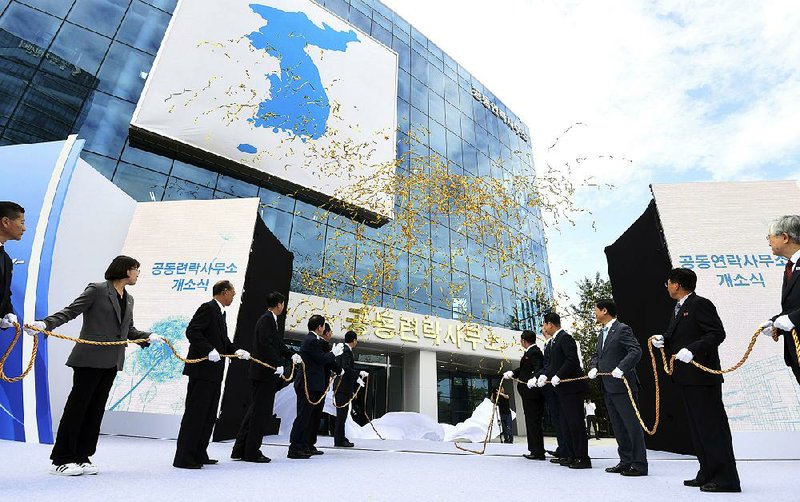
(269, 347)
(784, 240)
(618, 352)
(208, 337)
(565, 363)
(331, 370)
(530, 366)
(551, 400)
(345, 387)
(694, 334)
(12, 226)
(315, 358)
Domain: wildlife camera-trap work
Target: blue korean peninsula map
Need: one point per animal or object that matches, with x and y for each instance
(298, 103)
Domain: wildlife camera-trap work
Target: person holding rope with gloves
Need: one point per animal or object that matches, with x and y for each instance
(564, 364)
(208, 337)
(694, 333)
(784, 240)
(618, 352)
(107, 310)
(12, 226)
(332, 369)
(530, 365)
(346, 387)
(269, 347)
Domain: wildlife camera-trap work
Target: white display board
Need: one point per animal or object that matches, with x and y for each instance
(282, 88)
(719, 230)
(184, 247)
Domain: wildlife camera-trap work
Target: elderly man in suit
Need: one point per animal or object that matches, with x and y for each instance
(12, 226)
(784, 240)
(530, 365)
(208, 337)
(345, 386)
(618, 352)
(694, 334)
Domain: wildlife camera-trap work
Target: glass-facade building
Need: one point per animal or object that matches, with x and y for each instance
(79, 66)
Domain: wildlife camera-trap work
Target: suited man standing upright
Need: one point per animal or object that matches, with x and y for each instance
(530, 366)
(565, 363)
(208, 337)
(315, 358)
(618, 352)
(12, 226)
(551, 400)
(694, 334)
(784, 240)
(345, 387)
(269, 347)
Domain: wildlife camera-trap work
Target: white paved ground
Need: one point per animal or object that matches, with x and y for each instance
(140, 469)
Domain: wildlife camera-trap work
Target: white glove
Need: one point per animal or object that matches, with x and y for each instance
(35, 324)
(155, 338)
(766, 328)
(532, 383)
(341, 373)
(617, 373)
(541, 380)
(297, 359)
(555, 380)
(684, 355)
(783, 323)
(360, 382)
(337, 349)
(279, 371)
(364, 374)
(592, 373)
(658, 341)
(242, 354)
(8, 321)
(213, 356)
(508, 374)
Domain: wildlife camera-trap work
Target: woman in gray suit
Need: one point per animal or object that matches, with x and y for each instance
(107, 310)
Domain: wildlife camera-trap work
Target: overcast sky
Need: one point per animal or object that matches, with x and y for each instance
(675, 91)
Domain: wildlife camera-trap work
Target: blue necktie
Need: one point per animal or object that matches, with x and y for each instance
(605, 334)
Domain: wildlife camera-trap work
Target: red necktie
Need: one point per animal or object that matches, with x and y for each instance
(787, 274)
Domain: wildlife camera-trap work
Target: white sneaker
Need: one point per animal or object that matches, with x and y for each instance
(88, 468)
(66, 470)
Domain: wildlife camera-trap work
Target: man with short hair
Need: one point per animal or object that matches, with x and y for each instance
(530, 366)
(345, 387)
(12, 226)
(551, 400)
(694, 334)
(590, 410)
(315, 358)
(618, 352)
(784, 240)
(208, 337)
(565, 364)
(268, 347)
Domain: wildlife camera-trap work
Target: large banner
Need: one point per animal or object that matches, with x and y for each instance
(184, 248)
(719, 230)
(279, 89)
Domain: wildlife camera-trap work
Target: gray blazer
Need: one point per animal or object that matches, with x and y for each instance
(621, 350)
(101, 323)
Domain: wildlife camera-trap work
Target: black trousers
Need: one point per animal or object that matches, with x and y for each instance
(341, 418)
(591, 421)
(76, 439)
(627, 430)
(298, 438)
(571, 407)
(313, 424)
(554, 409)
(533, 407)
(711, 434)
(202, 401)
(251, 432)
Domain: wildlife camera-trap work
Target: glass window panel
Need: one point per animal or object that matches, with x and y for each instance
(403, 116)
(403, 85)
(106, 124)
(141, 184)
(194, 174)
(419, 66)
(382, 14)
(381, 34)
(55, 7)
(453, 118)
(307, 243)
(419, 95)
(419, 308)
(143, 27)
(436, 80)
(436, 108)
(419, 125)
(400, 23)
(451, 91)
(278, 222)
(419, 279)
(146, 159)
(102, 16)
(236, 187)
(438, 138)
(359, 20)
(454, 148)
(477, 296)
(418, 37)
(165, 5)
(276, 200)
(29, 24)
(80, 47)
(178, 189)
(338, 7)
(340, 255)
(102, 164)
(124, 72)
(403, 52)
(468, 130)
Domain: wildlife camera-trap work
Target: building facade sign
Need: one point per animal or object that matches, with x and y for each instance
(492, 107)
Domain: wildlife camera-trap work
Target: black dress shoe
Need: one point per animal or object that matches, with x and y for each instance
(617, 469)
(210, 461)
(583, 463)
(693, 483)
(235, 455)
(565, 461)
(315, 452)
(633, 471)
(533, 457)
(298, 454)
(551, 453)
(261, 459)
(187, 466)
(714, 487)
(344, 444)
